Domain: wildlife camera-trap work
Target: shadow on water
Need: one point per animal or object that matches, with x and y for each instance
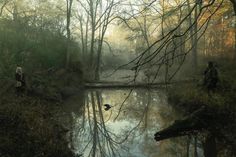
(126, 128)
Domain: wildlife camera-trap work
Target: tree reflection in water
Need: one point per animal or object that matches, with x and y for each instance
(127, 128)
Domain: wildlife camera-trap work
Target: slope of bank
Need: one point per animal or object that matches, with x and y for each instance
(220, 105)
(29, 127)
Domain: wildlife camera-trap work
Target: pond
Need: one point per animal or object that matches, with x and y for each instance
(126, 129)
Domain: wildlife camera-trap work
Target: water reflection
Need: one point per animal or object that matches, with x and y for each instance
(127, 128)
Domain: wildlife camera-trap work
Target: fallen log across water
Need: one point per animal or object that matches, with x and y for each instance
(105, 84)
(205, 119)
(195, 122)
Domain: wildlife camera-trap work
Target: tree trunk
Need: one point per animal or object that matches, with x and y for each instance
(97, 69)
(234, 5)
(92, 45)
(86, 38)
(82, 36)
(195, 42)
(193, 37)
(68, 16)
(93, 30)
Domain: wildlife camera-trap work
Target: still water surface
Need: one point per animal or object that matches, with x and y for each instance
(127, 129)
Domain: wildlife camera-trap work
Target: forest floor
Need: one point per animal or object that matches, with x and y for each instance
(28, 124)
(190, 97)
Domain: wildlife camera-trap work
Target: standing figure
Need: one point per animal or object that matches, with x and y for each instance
(211, 77)
(20, 80)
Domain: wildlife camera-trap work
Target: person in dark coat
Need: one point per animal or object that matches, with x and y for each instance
(211, 77)
(20, 81)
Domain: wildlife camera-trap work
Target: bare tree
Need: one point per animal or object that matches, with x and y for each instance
(95, 17)
(164, 50)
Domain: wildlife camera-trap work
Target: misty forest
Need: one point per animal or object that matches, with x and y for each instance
(117, 78)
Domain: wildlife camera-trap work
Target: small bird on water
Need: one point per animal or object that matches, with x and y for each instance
(107, 107)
